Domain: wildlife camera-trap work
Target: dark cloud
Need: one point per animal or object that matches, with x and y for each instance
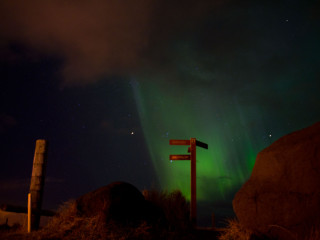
(93, 37)
(100, 38)
(97, 38)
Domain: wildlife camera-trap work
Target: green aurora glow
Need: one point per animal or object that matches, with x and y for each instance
(234, 103)
(168, 114)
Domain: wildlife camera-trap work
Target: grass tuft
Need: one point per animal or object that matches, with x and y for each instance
(69, 224)
(235, 231)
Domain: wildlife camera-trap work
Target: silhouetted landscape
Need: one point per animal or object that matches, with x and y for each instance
(279, 201)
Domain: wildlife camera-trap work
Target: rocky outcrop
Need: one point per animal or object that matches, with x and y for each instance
(118, 201)
(121, 203)
(282, 196)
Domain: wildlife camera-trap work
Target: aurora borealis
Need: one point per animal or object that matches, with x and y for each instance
(173, 118)
(237, 111)
(108, 83)
(235, 128)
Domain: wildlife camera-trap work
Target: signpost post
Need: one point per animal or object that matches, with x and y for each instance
(193, 202)
(192, 149)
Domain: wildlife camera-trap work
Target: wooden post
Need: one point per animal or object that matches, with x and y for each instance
(193, 203)
(37, 181)
(29, 212)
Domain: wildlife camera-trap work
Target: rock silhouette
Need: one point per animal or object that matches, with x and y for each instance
(118, 201)
(282, 196)
(121, 203)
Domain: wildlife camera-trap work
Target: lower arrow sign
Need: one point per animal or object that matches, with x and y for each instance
(180, 157)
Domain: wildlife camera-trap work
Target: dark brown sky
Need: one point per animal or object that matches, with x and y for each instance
(98, 38)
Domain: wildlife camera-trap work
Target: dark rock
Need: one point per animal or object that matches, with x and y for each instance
(282, 196)
(119, 201)
(122, 203)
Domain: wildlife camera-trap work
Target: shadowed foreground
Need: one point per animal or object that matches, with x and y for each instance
(68, 225)
(71, 224)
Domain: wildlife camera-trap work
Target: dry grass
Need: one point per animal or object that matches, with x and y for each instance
(68, 224)
(235, 231)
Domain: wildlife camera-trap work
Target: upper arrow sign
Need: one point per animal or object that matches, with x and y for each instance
(187, 142)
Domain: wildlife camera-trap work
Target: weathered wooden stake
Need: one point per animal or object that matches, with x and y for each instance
(37, 181)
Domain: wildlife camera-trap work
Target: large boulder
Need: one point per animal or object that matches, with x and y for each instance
(282, 196)
(119, 201)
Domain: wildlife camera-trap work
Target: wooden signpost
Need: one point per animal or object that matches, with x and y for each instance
(192, 150)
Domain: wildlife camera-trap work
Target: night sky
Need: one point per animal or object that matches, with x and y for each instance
(108, 83)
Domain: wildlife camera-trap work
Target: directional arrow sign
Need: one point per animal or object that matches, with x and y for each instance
(201, 144)
(180, 157)
(179, 142)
